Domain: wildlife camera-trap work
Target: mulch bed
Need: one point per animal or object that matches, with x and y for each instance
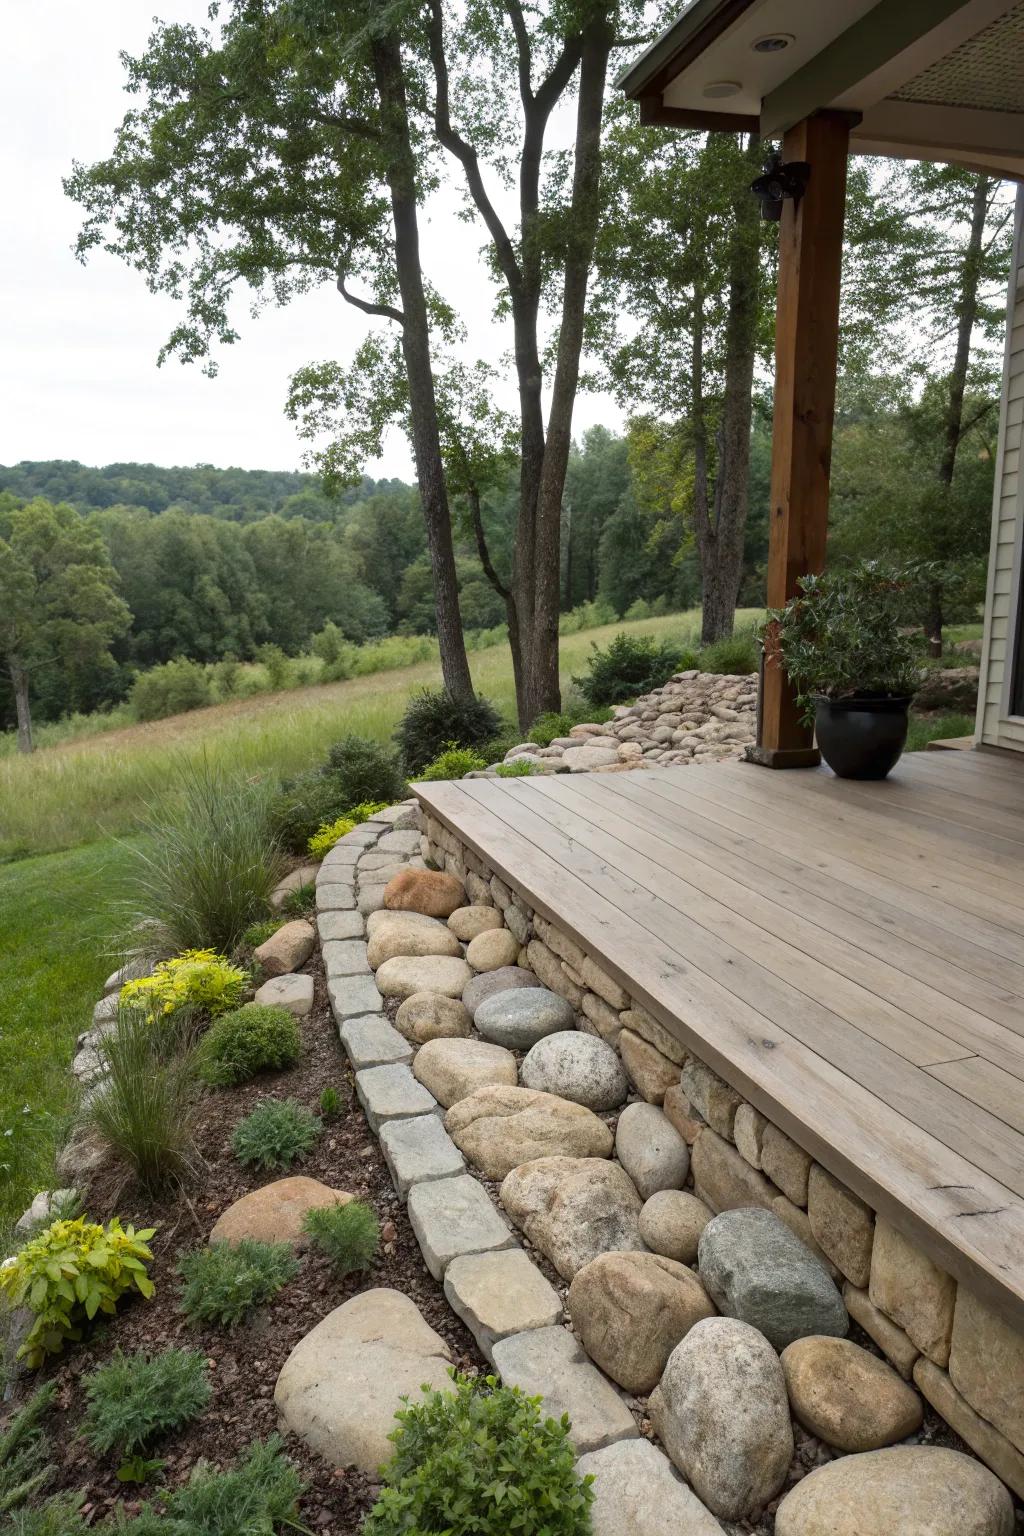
(244, 1364)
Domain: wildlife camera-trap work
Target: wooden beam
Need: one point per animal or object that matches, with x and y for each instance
(654, 113)
(806, 355)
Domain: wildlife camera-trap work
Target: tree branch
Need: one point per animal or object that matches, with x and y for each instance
(347, 123)
(525, 52)
(473, 494)
(368, 307)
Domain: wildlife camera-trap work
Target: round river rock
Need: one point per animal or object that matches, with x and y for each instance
(630, 1310)
(492, 950)
(499, 1128)
(519, 1018)
(489, 983)
(578, 1067)
(671, 1223)
(453, 1069)
(431, 1016)
(424, 890)
(651, 1150)
(406, 975)
(467, 922)
(848, 1397)
(914, 1490)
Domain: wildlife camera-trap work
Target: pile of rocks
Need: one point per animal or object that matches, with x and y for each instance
(553, 1196)
(696, 717)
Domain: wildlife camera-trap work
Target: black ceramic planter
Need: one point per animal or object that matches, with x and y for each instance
(861, 738)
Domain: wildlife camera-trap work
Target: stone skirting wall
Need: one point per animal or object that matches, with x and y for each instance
(963, 1358)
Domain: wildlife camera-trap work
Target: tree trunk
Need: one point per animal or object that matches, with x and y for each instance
(721, 551)
(933, 619)
(543, 691)
(19, 682)
(390, 81)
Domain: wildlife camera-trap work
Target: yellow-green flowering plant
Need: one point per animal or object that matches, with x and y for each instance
(325, 837)
(70, 1272)
(198, 978)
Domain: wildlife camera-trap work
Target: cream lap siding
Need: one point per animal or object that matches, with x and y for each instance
(996, 726)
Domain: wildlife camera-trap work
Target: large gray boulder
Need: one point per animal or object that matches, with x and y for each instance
(573, 1209)
(490, 983)
(578, 1067)
(518, 1019)
(651, 1150)
(913, 1490)
(722, 1414)
(756, 1269)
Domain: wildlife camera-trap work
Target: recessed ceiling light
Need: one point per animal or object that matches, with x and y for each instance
(719, 88)
(773, 43)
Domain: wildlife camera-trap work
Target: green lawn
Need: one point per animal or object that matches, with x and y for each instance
(57, 918)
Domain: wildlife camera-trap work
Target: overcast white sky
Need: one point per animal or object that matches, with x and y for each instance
(78, 345)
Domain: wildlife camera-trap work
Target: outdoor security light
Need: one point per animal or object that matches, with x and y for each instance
(777, 183)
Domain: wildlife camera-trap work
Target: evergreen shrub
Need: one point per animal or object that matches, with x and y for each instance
(436, 720)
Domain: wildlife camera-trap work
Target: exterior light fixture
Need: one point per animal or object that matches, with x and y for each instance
(778, 183)
(775, 42)
(716, 89)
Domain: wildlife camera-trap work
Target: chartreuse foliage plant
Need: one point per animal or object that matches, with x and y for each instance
(69, 1274)
(275, 1134)
(840, 636)
(224, 1282)
(134, 1399)
(518, 768)
(25, 1465)
(453, 763)
(347, 1234)
(246, 1041)
(479, 1460)
(324, 839)
(199, 978)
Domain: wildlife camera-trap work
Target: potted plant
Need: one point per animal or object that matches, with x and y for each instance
(840, 642)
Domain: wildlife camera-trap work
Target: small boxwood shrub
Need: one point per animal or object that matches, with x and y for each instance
(224, 1282)
(480, 1460)
(69, 1273)
(247, 1041)
(134, 1399)
(347, 1234)
(275, 1134)
(453, 763)
(199, 978)
(435, 721)
(627, 666)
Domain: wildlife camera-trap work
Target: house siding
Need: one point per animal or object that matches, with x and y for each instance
(996, 726)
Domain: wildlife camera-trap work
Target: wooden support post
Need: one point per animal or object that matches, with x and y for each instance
(806, 358)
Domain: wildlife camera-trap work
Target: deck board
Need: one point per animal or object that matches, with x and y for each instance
(850, 957)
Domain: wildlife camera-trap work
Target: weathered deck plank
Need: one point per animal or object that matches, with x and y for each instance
(850, 967)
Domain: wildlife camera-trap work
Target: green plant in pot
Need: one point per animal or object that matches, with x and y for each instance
(840, 642)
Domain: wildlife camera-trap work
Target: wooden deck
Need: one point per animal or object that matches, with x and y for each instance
(849, 956)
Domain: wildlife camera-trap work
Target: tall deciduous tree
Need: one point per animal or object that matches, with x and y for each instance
(278, 155)
(682, 259)
(58, 606)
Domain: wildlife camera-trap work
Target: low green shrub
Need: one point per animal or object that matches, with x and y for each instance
(302, 806)
(546, 727)
(736, 655)
(435, 721)
(629, 665)
(356, 772)
(258, 933)
(247, 1041)
(518, 768)
(207, 861)
(348, 1234)
(591, 615)
(258, 1497)
(172, 688)
(144, 1107)
(330, 1103)
(479, 1460)
(300, 902)
(224, 1282)
(25, 1447)
(71, 1272)
(325, 837)
(275, 1134)
(59, 1516)
(134, 1399)
(453, 763)
(199, 979)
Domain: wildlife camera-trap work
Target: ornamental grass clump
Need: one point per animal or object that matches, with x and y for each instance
(25, 1452)
(247, 1041)
(70, 1273)
(198, 978)
(480, 1460)
(348, 1234)
(224, 1282)
(276, 1133)
(143, 1108)
(135, 1399)
(207, 861)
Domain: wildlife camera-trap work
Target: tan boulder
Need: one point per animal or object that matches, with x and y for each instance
(848, 1397)
(405, 975)
(490, 950)
(396, 935)
(671, 1223)
(467, 923)
(919, 1490)
(453, 1069)
(274, 1213)
(431, 1016)
(287, 949)
(913, 1291)
(652, 1073)
(630, 1310)
(424, 890)
(574, 1208)
(500, 1127)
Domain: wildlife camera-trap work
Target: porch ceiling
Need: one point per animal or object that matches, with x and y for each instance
(925, 79)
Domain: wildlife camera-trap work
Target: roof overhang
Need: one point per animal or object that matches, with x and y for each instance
(921, 79)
